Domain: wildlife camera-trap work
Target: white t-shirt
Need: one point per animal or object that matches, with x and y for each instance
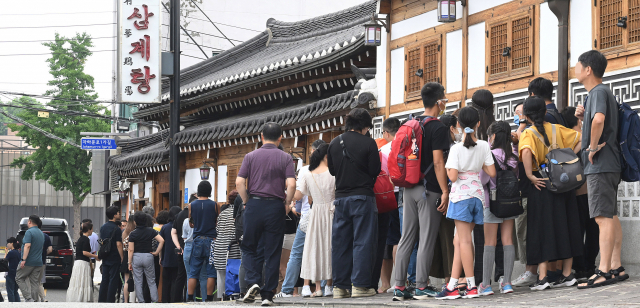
(469, 163)
(305, 200)
(386, 150)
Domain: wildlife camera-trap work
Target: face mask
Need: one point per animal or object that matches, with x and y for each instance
(458, 136)
(516, 120)
(441, 110)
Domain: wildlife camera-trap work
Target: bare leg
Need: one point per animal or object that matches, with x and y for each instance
(566, 267)
(617, 246)
(385, 275)
(466, 245)
(211, 285)
(126, 288)
(607, 243)
(543, 269)
(456, 268)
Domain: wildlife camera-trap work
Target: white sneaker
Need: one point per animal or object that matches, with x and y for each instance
(306, 291)
(283, 295)
(525, 280)
(391, 290)
(328, 291)
(267, 303)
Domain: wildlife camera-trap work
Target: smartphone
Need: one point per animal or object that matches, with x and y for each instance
(178, 250)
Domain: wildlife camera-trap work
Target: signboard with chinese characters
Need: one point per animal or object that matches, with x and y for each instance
(98, 144)
(139, 51)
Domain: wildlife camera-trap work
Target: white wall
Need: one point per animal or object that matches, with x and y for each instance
(192, 179)
(147, 191)
(476, 55)
(454, 61)
(381, 70)
(421, 22)
(548, 46)
(476, 6)
(222, 183)
(580, 27)
(397, 76)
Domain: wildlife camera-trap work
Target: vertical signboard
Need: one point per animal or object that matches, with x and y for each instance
(139, 51)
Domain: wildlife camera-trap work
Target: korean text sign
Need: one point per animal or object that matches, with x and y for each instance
(139, 51)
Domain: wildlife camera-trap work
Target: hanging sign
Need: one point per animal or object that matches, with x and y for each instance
(139, 51)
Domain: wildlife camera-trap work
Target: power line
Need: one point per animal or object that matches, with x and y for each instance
(207, 16)
(66, 40)
(84, 101)
(207, 34)
(219, 23)
(62, 13)
(52, 136)
(164, 37)
(50, 53)
(64, 26)
(184, 55)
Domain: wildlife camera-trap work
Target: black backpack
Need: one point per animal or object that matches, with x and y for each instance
(106, 245)
(507, 200)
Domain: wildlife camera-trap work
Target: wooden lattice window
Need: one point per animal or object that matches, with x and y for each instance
(610, 37)
(509, 47)
(423, 64)
(232, 174)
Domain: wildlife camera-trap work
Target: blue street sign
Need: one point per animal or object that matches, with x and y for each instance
(98, 144)
(186, 195)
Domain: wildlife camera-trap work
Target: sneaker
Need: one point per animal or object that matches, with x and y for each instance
(283, 295)
(444, 286)
(524, 280)
(250, 297)
(425, 293)
(448, 294)
(306, 291)
(541, 284)
(267, 303)
(328, 291)
(506, 288)
(390, 290)
(363, 292)
(485, 291)
(568, 281)
(412, 287)
(340, 293)
(399, 295)
(471, 293)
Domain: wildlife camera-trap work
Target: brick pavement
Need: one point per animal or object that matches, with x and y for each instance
(621, 294)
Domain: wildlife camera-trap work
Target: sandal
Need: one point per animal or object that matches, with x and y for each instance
(317, 294)
(591, 283)
(616, 273)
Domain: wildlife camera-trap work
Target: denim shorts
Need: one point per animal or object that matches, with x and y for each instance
(469, 210)
(200, 259)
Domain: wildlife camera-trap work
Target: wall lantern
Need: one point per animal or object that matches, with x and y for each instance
(447, 10)
(622, 22)
(373, 30)
(205, 170)
(122, 194)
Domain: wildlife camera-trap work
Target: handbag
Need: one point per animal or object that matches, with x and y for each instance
(304, 222)
(232, 276)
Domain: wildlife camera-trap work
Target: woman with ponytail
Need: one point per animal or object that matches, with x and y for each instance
(553, 225)
(320, 185)
(81, 284)
(465, 161)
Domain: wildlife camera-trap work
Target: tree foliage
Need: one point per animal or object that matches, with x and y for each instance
(64, 166)
(20, 101)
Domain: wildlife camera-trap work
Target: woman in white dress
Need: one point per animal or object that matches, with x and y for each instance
(81, 285)
(316, 257)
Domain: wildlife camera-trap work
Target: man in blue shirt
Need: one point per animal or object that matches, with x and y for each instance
(111, 263)
(544, 88)
(31, 262)
(46, 249)
(204, 214)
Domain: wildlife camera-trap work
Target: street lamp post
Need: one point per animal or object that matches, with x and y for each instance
(174, 120)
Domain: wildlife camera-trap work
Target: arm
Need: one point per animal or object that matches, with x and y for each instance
(89, 255)
(241, 186)
(119, 245)
(441, 174)
(452, 174)
(298, 196)
(50, 250)
(25, 254)
(527, 160)
(131, 244)
(597, 125)
(490, 170)
(291, 190)
(160, 244)
(332, 171)
(174, 238)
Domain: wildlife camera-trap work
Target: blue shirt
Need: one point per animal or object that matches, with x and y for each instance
(204, 216)
(14, 260)
(169, 257)
(47, 244)
(105, 232)
(35, 237)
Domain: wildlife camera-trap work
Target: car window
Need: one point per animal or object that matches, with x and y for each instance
(59, 240)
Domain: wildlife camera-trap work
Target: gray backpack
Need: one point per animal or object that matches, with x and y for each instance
(563, 170)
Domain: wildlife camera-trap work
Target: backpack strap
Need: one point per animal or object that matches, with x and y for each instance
(556, 115)
(345, 153)
(554, 141)
(495, 162)
(535, 132)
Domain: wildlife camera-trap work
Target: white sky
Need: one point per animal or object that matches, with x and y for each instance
(29, 74)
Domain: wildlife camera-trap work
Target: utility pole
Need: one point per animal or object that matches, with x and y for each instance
(561, 9)
(174, 120)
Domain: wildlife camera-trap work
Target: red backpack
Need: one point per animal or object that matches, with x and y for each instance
(384, 190)
(404, 159)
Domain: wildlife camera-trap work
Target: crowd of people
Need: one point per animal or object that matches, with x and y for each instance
(320, 228)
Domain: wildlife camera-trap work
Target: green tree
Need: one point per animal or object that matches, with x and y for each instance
(64, 166)
(20, 101)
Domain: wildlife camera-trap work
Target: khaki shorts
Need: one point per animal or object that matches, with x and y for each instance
(603, 194)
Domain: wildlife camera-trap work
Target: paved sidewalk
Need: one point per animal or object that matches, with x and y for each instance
(621, 294)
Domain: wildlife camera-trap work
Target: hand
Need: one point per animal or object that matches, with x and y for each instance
(22, 264)
(515, 138)
(537, 182)
(130, 267)
(580, 112)
(160, 261)
(155, 253)
(444, 203)
(287, 208)
(592, 153)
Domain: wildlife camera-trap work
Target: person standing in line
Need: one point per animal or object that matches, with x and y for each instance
(81, 283)
(295, 259)
(386, 252)
(124, 269)
(601, 158)
(354, 161)
(265, 207)
(13, 257)
(204, 213)
(93, 239)
(141, 256)
(28, 274)
(123, 224)
(46, 249)
(171, 292)
(422, 216)
(178, 240)
(111, 263)
(226, 246)
(543, 87)
(583, 265)
(187, 236)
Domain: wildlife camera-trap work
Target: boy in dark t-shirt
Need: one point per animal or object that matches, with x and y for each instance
(13, 257)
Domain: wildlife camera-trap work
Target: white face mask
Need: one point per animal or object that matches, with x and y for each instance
(458, 136)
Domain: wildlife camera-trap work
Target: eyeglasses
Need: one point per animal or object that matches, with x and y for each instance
(444, 100)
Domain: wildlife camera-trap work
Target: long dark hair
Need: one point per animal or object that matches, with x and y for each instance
(317, 156)
(85, 228)
(535, 108)
(468, 117)
(502, 139)
(482, 101)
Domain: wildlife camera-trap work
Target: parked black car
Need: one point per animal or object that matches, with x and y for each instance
(60, 260)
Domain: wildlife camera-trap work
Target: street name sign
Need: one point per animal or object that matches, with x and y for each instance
(98, 144)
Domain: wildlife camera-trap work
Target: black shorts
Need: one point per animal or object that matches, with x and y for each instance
(388, 252)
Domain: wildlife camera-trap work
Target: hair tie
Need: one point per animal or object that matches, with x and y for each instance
(468, 130)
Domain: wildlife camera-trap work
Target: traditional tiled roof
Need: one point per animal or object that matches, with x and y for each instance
(284, 48)
(146, 151)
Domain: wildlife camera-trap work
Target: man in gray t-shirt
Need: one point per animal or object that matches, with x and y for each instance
(601, 156)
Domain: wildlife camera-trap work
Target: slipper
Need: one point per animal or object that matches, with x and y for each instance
(591, 283)
(616, 273)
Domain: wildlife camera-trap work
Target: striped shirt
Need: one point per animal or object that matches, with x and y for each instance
(226, 231)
